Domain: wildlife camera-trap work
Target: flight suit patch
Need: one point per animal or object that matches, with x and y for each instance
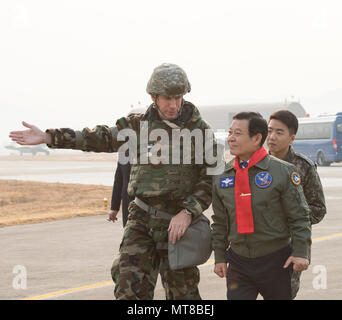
(295, 178)
(227, 182)
(263, 179)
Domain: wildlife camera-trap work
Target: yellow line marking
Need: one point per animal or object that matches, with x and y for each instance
(58, 293)
(107, 283)
(336, 235)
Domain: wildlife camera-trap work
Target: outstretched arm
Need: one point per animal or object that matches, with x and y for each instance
(32, 136)
(99, 139)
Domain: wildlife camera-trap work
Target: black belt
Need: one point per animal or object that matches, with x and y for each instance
(152, 210)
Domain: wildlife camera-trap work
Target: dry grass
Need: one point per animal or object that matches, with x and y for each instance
(30, 202)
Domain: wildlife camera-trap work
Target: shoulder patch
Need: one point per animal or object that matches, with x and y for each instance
(295, 178)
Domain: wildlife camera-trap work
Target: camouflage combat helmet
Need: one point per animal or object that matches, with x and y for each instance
(168, 80)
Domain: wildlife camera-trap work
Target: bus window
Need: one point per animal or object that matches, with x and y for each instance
(324, 131)
(309, 131)
(339, 128)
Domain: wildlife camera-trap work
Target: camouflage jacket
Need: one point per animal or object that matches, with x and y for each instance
(169, 187)
(311, 184)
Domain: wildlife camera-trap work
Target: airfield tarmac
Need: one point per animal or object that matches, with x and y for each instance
(71, 259)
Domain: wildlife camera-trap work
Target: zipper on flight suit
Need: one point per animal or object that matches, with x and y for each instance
(248, 246)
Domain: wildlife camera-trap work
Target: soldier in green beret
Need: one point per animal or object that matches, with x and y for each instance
(163, 188)
(282, 130)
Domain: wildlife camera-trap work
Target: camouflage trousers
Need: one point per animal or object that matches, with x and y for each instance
(135, 270)
(295, 282)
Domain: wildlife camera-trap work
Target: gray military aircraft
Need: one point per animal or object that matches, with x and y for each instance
(33, 150)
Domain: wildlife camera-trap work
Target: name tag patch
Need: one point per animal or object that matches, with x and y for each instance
(263, 179)
(227, 182)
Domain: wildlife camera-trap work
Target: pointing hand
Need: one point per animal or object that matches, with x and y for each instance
(32, 136)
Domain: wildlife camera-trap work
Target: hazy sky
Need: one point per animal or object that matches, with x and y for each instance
(84, 62)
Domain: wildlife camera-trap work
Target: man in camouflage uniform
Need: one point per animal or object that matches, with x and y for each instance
(282, 129)
(181, 190)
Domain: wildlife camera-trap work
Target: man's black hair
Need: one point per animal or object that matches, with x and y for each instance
(256, 124)
(287, 118)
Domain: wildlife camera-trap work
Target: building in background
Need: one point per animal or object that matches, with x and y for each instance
(220, 117)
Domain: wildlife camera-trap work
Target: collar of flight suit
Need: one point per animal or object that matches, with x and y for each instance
(263, 164)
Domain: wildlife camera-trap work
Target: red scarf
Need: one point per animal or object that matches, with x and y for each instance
(243, 197)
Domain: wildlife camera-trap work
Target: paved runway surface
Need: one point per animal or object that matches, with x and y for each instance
(71, 259)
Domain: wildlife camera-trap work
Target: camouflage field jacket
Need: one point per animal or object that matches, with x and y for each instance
(165, 184)
(311, 184)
